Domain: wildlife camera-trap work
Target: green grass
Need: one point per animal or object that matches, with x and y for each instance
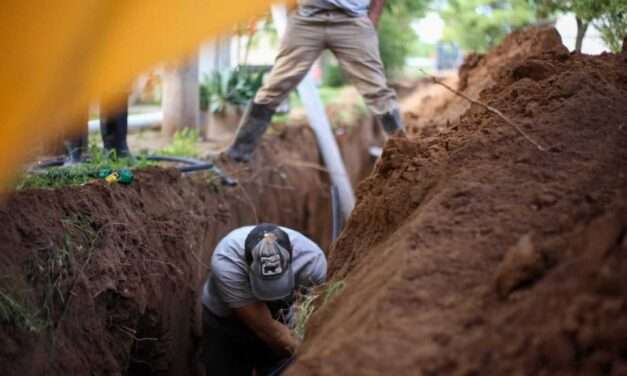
(18, 314)
(304, 309)
(63, 176)
(331, 290)
(184, 144)
(62, 264)
(54, 269)
(307, 305)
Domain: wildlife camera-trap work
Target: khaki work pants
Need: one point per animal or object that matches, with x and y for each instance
(355, 43)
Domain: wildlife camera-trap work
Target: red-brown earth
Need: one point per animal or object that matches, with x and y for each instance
(111, 274)
(471, 251)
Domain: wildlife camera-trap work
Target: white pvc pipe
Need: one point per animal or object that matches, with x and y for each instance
(135, 121)
(320, 124)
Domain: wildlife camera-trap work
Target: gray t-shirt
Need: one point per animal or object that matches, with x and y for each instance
(356, 8)
(228, 285)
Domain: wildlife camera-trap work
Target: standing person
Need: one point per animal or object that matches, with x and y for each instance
(113, 129)
(348, 29)
(247, 299)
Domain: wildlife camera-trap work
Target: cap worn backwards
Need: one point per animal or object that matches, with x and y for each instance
(269, 256)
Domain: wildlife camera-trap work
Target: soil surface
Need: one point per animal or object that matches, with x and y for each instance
(469, 252)
(114, 272)
(472, 252)
(111, 275)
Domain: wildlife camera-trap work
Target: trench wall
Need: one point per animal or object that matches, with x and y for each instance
(106, 278)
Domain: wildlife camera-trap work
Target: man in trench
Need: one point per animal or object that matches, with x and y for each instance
(348, 29)
(247, 299)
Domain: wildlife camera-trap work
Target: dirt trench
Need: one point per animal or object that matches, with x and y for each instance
(105, 279)
(472, 252)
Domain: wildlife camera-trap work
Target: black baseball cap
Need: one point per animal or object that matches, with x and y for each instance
(268, 253)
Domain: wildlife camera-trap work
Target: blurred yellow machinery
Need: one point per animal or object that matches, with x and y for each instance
(60, 56)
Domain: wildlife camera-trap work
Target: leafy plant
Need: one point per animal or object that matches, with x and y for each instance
(204, 94)
(235, 87)
(184, 144)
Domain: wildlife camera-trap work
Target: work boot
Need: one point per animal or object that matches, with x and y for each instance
(391, 123)
(253, 125)
(113, 129)
(75, 147)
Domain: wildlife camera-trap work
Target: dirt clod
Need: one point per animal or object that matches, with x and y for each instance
(522, 264)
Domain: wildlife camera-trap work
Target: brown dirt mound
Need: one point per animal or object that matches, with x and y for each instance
(116, 270)
(431, 107)
(434, 109)
(472, 252)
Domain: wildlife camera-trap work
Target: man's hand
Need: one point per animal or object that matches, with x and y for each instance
(257, 317)
(374, 13)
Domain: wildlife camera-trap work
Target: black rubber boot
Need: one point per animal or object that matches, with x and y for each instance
(75, 147)
(113, 129)
(253, 125)
(391, 123)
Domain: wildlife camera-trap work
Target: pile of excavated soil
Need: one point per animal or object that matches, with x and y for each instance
(473, 252)
(111, 274)
(432, 108)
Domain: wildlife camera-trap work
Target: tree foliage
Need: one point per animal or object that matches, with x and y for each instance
(396, 36)
(586, 10)
(612, 23)
(609, 16)
(478, 25)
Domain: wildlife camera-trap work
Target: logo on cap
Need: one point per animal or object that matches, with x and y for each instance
(271, 266)
(271, 257)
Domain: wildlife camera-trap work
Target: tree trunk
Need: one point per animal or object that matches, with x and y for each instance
(180, 97)
(582, 27)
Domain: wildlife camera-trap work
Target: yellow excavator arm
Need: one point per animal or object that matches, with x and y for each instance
(60, 56)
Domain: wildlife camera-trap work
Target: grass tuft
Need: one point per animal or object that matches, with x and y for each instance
(184, 144)
(62, 265)
(15, 313)
(304, 309)
(306, 306)
(55, 267)
(332, 289)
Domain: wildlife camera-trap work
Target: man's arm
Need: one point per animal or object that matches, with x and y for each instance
(376, 8)
(278, 336)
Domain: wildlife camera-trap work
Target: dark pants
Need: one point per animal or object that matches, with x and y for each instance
(114, 128)
(231, 348)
